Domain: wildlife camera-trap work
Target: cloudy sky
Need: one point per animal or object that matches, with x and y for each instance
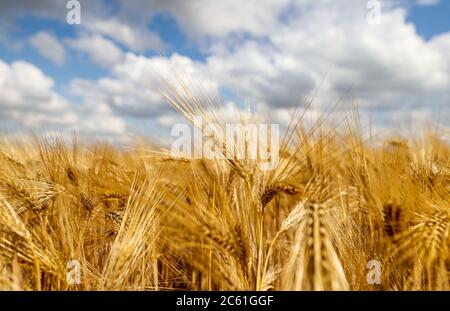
(101, 77)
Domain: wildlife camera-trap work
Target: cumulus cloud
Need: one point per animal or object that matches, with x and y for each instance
(27, 98)
(441, 44)
(221, 18)
(388, 59)
(101, 50)
(128, 28)
(136, 37)
(134, 88)
(49, 47)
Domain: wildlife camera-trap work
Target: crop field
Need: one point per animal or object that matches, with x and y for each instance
(337, 212)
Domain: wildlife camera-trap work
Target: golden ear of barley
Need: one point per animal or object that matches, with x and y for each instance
(279, 187)
(229, 184)
(436, 237)
(18, 241)
(294, 217)
(239, 168)
(222, 240)
(323, 268)
(397, 143)
(86, 202)
(24, 198)
(115, 216)
(11, 160)
(270, 277)
(169, 158)
(393, 220)
(113, 195)
(71, 174)
(424, 247)
(242, 248)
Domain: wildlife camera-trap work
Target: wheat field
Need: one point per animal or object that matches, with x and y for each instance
(140, 219)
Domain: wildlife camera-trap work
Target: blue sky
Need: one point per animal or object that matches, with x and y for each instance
(98, 76)
(431, 20)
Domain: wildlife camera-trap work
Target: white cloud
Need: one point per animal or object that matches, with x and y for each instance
(134, 88)
(101, 50)
(49, 47)
(389, 62)
(168, 120)
(200, 18)
(27, 98)
(441, 44)
(129, 27)
(135, 37)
